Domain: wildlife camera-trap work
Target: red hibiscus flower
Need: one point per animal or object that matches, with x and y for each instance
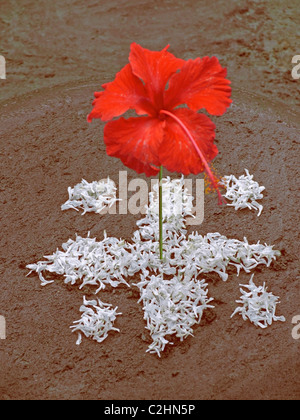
(155, 84)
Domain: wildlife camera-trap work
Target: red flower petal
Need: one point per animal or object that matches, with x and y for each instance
(124, 93)
(154, 68)
(138, 166)
(201, 83)
(136, 142)
(177, 152)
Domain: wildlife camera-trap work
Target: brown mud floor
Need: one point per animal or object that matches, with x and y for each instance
(58, 54)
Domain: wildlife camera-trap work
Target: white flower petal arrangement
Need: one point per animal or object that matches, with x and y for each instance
(243, 192)
(258, 305)
(91, 197)
(87, 261)
(96, 321)
(171, 306)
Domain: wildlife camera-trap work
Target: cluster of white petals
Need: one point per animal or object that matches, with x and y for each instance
(96, 321)
(91, 197)
(258, 305)
(177, 201)
(110, 261)
(88, 262)
(171, 307)
(195, 254)
(177, 205)
(243, 192)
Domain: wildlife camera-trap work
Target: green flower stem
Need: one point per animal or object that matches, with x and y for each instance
(161, 234)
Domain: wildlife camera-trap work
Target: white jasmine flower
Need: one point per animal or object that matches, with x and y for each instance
(110, 261)
(96, 320)
(177, 204)
(258, 305)
(89, 262)
(91, 197)
(172, 307)
(243, 192)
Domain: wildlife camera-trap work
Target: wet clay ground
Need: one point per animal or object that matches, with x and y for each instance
(58, 54)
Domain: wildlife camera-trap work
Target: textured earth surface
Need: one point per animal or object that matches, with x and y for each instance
(58, 54)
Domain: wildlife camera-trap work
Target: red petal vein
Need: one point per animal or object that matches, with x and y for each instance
(155, 69)
(201, 83)
(135, 140)
(124, 93)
